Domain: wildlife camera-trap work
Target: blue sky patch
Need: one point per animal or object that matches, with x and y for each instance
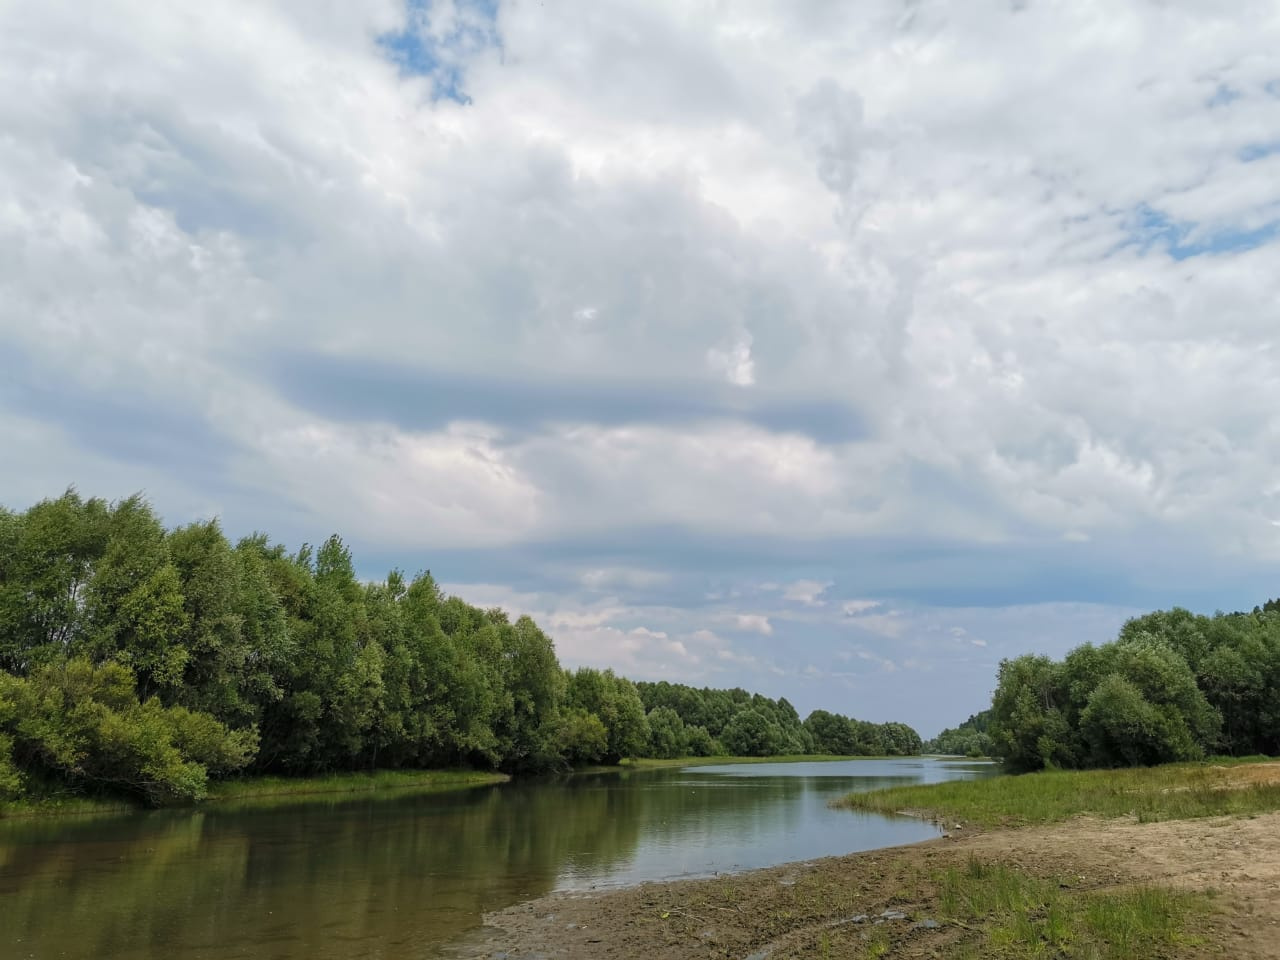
(1223, 96)
(1182, 240)
(1257, 151)
(418, 50)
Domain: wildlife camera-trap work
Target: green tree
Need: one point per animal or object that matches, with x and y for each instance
(751, 734)
(532, 677)
(1029, 725)
(666, 733)
(582, 737)
(700, 743)
(832, 733)
(970, 738)
(86, 724)
(47, 559)
(1122, 728)
(617, 703)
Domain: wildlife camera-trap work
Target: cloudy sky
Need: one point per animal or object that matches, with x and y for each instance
(835, 350)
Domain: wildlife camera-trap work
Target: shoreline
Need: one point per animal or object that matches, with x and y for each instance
(268, 789)
(1176, 861)
(1223, 870)
(264, 791)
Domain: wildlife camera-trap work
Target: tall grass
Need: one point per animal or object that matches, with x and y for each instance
(1175, 792)
(1014, 915)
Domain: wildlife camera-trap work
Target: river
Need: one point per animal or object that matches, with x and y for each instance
(400, 876)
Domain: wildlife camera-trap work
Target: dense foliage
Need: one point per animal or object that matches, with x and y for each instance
(1173, 686)
(969, 739)
(149, 660)
(706, 721)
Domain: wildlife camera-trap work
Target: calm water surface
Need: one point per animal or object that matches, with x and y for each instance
(400, 876)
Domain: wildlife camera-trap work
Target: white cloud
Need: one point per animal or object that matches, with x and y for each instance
(853, 608)
(610, 578)
(936, 244)
(807, 592)
(751, 623)
(456, 486)
(734, 362)
(884, 663)
(890, 623)
(783, 210)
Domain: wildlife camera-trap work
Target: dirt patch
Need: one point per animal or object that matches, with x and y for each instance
(887, 899)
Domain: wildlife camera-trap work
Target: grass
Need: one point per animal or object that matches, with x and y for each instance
(1010, 914)
(260, 791)
(1174, 792)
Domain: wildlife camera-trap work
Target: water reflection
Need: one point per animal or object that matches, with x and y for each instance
(395, 877)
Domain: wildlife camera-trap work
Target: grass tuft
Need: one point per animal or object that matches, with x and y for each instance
(1013, 915)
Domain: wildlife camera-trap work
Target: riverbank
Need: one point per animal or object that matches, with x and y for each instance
(258, 791)
(1172, 792)
(262, 791)
(1113, 885)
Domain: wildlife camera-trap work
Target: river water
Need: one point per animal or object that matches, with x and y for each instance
(400, 876)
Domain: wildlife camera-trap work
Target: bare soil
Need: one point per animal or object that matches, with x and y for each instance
(807, 909)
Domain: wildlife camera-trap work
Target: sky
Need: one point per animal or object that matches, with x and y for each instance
(832, 350)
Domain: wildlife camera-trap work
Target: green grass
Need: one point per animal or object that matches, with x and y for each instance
(1013, 915)
(259, 791)
(1174, 792)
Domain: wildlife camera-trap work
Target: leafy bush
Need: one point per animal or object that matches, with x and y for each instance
(87, 725)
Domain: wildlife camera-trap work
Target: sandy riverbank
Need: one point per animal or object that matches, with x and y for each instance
(815, 909)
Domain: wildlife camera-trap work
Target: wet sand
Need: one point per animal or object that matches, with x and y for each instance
(804, 909)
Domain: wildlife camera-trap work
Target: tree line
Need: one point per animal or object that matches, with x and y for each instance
(1172, 686)
(146, 660)
(685, 721)
(970, 739)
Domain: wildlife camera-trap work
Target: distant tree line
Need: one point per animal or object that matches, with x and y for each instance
(685, 721)
(1173, 686)
(145, 660)
(971, 739)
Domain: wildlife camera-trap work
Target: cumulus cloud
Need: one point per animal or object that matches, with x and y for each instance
(807, 592)
(853, 608)
(929, 303)
(751, 622)
(612, 578)
(734, 363)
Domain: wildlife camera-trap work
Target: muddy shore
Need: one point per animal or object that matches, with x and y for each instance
(837, 906)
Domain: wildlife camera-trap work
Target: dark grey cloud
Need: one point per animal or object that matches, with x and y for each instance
(347, 389)
(147, 431)
(1151, 570)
